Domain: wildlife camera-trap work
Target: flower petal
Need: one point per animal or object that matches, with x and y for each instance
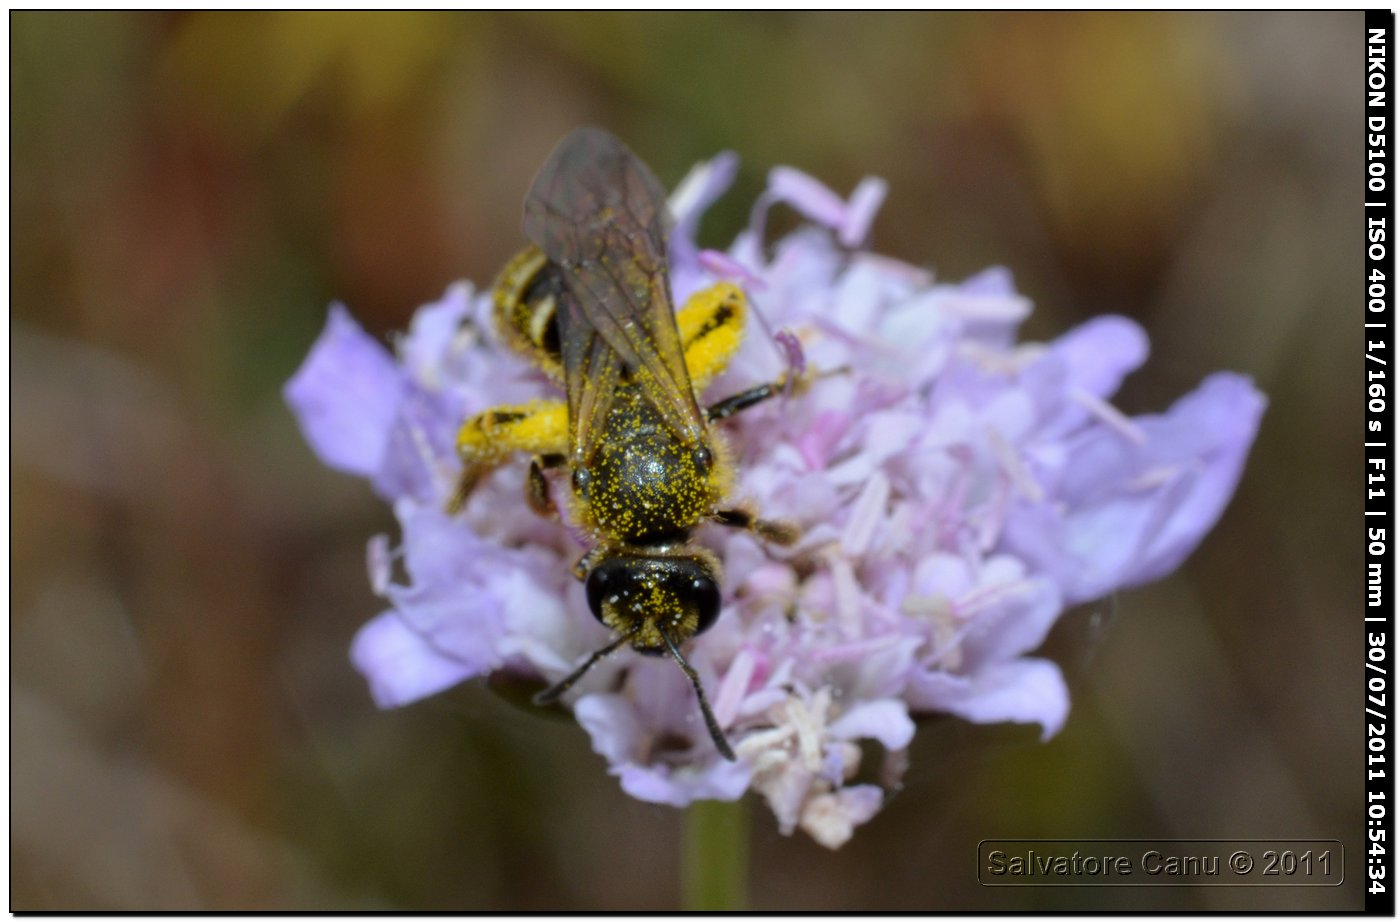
(809, 196)
(866, 200)
(1099, 353)
(346, 396)
(831, 819)
(1089, 362)
(681, 786)
(400, 664)
(700, 189)
(613, 726)
(618, 735)
(1023, 690)
(705, 183)
(1014, 618)
(417, 460)
(885, 720)
(425, 349)
(1125, 513)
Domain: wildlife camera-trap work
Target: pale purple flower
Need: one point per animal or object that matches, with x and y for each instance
(958, 491)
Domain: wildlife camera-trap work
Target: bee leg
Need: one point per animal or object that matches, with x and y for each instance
(557, 690)
(744, 399)
(537, 487)
(489, 438)
(774, 531)
(789, 384)
(711, 325)
(471, 474)
(584, 564)
(716, 733)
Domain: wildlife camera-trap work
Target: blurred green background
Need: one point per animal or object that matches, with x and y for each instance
(189, 191)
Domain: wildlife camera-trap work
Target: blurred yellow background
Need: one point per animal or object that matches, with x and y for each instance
(190, 191)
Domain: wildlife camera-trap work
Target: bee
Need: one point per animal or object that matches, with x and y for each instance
(589, 302)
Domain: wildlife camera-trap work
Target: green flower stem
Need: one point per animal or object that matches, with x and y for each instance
(715, 856)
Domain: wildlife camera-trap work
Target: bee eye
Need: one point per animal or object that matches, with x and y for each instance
(617, 589)
(603, 581)
(703, 459)
(704, 593)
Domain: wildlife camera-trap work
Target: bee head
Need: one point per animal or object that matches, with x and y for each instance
(651, 597)
(655, 602)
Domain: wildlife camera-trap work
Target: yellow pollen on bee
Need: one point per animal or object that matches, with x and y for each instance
(539, 427)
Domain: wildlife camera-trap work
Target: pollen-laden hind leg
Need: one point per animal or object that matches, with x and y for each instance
(487, 439)
(526, 299)
(711, 325)
(712, 328)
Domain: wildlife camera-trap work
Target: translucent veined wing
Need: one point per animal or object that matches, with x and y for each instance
(598, 213)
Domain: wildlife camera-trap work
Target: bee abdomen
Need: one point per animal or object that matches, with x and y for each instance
(526, 300)
(648, 487)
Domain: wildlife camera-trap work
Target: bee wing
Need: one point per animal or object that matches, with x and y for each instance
(598, 213)
(591, 373)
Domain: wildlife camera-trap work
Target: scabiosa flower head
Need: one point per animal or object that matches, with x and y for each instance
(958, 491)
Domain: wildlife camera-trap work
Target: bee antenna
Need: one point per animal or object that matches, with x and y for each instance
(557, 690)
(716, 733)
